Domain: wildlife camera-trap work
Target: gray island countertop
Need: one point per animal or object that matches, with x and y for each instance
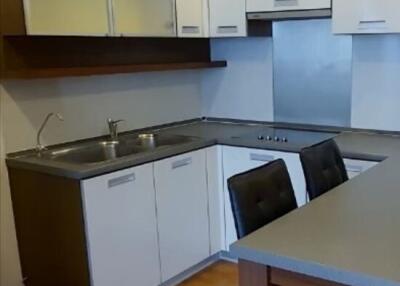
(349, 235)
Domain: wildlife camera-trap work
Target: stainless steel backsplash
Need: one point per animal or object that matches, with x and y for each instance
(312, 73)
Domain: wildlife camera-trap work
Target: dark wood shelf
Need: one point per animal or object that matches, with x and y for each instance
(104, 70)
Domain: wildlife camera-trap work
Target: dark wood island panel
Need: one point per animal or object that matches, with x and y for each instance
(254, 274)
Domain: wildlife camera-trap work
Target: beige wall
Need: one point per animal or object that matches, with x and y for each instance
(142, 99)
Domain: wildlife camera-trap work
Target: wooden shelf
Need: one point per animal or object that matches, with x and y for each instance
(104, 70)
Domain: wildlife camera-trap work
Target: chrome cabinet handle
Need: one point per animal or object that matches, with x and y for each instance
(181, 163)
(261, 157)
(372, 24)
(121, 180)
(279, 3)
(354, 168)
(190, 29)
(227, 29)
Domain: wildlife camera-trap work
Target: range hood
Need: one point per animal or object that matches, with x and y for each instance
(290, 15)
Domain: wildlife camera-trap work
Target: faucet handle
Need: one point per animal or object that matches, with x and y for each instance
(111, 121)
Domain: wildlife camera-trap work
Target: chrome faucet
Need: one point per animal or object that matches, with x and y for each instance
(113, 127)
(39, 146)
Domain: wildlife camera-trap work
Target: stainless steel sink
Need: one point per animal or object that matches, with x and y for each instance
(153, 141)
(101, 151)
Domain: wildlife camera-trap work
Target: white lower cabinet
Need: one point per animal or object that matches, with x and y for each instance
(216, 199)
(356, 167)
(182, 208)
(237, 160)
(121, 228)
(147, 224)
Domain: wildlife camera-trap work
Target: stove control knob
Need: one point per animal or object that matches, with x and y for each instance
(260, 137)
(268, 138)
(284, 139)
(277, 139)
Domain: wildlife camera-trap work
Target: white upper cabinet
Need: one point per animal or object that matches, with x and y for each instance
(228, 18)
(192, 18)
(366, 16)
(149, 18)
(286, 5)
(67, 17)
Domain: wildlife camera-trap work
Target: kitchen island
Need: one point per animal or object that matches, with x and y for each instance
(349, 236)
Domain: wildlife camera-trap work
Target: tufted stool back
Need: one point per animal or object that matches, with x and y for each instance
(323, 168)
(260, 196)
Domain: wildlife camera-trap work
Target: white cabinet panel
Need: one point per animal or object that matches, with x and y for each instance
(192, 18)
(181, 194)
(356, 167)
(120, 218)
(286, 5)
(215, 199)
(228, 18)
(237, 160)
(150, 18)
(366, 16)
(67, 17)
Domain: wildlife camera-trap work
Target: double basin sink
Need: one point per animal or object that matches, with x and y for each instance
(98, 151)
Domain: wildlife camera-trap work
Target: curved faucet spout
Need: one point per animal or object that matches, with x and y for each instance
(39, 146)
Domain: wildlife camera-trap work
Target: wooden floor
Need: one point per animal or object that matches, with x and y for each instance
(221, 273)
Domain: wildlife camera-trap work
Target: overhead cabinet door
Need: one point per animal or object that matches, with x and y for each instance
(146, 18)
(286, 5)
(67, 17)
(227, 18)
(366, 16)
(192, 18)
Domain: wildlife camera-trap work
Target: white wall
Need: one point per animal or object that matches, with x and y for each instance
(376, 82)
(142, 99)
(243, 90)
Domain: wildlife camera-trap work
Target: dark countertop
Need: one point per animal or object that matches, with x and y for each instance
(353, 145)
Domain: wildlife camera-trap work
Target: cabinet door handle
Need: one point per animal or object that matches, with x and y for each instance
(261, 157)
(372, 24)
(190, 29)
(354, 168)
(280, 3)
(181, 163)
(227, 29)
(121, 180)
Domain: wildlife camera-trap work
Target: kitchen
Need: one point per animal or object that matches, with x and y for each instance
(244, 90)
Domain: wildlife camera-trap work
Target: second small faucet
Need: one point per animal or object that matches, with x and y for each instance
(113, 128)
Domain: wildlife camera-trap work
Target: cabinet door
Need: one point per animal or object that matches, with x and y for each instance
(150, 18)
(366, 16)
(228, 18)
(238, 160)
(356, 167)
(192, 18)
(286, 5)
(67, 17)
(216, 199)
(120, 218)
(181, 188)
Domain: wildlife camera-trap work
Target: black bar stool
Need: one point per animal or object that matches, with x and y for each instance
(260, 196)
(323, 168)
